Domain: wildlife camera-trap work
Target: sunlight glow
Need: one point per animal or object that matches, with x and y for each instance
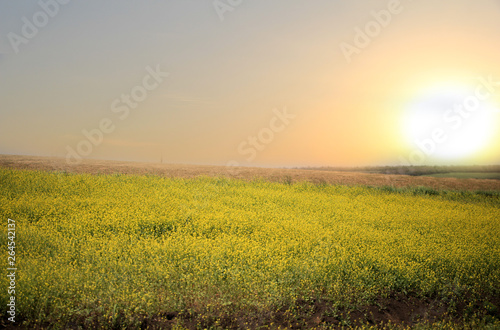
(448, 121)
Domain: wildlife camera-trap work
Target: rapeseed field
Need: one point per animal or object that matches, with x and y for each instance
(116, 251)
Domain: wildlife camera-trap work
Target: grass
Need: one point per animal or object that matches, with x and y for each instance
(353, 178)
(114, 251)
(467, 175)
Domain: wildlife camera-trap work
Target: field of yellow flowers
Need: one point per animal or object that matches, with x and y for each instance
(114, 251)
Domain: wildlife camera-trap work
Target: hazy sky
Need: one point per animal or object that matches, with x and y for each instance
(252, 82)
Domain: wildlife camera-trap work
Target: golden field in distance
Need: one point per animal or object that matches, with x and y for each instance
(317, 176)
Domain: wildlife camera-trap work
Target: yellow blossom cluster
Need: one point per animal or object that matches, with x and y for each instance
(110, 248)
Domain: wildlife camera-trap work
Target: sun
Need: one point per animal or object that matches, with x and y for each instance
(450, 121)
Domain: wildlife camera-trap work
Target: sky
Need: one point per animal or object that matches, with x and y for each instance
(280, 83)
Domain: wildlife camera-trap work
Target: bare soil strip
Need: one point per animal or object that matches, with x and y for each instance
(245, 173)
